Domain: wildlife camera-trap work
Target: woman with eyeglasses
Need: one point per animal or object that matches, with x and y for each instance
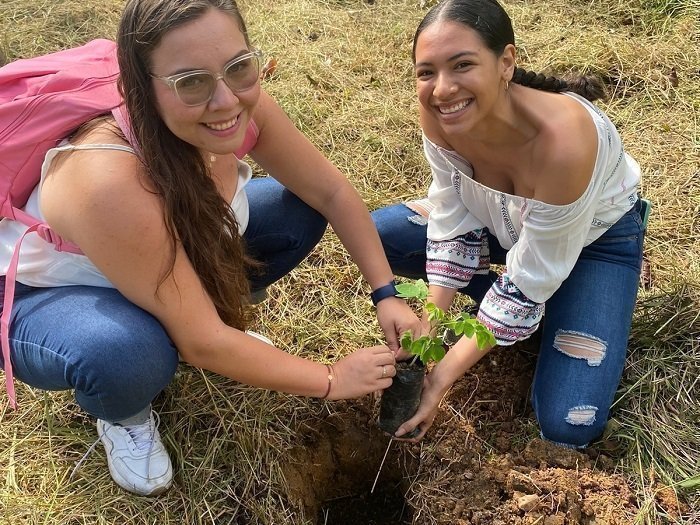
(529, 174)
(177, 234)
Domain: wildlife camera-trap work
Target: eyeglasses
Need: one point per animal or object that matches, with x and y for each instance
(194, 88)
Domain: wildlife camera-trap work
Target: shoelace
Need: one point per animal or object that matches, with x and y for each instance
(137, 433)
(143, 434)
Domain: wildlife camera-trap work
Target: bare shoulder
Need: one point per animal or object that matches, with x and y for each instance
(80, 165)
(565, 153)
(101, 185)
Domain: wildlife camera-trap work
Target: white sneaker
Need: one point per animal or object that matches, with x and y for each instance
(137, 459)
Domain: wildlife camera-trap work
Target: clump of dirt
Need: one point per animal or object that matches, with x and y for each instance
(481, 463)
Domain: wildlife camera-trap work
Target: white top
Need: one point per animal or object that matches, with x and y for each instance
(42, 266)
(543, 240)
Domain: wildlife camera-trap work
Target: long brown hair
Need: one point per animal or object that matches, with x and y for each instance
(196, 215)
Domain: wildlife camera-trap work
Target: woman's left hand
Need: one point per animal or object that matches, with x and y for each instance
(396, 317)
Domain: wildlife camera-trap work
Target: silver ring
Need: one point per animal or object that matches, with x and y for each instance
(383, 371)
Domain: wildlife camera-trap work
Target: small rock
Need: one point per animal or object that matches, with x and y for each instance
(556, 519)
(528, 502)
(574, 508)
(520, 482)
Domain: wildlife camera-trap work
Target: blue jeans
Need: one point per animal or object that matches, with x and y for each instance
(116, 356)
(585, 328)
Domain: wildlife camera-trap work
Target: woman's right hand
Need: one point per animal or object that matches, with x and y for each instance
(364, 371)
(423, 419)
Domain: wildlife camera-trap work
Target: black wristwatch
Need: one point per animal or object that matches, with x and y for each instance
(383, 292)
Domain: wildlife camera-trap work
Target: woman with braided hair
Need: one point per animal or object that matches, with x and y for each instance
(529, 174)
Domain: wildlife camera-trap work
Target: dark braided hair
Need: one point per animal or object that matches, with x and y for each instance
(589, 87)
(493, 25)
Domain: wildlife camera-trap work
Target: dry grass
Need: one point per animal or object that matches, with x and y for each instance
(344, 76)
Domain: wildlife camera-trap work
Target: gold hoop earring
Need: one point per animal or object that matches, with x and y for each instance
(507, 84)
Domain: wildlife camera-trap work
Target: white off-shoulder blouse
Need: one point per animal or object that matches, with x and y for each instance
(543, 240)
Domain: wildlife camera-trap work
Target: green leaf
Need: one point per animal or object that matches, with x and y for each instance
(435, 351)
(435, 314)
(416, 290)
(418, 346)
(406, 340)
(468, 329)
(690, 483)
(484, 337)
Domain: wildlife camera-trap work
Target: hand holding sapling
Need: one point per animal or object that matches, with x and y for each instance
(401, 401)
(430, 347)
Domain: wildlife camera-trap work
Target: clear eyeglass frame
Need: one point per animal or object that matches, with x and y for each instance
(206, 96)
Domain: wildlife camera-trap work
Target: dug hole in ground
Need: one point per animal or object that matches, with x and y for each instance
(482, 462)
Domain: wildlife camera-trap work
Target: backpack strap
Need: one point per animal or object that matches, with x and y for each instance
(121, 117)
(8, 300)
(45, 232)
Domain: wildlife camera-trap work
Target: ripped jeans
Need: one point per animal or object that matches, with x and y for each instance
(585, 328)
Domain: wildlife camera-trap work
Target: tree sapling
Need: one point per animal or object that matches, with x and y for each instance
(400, 401)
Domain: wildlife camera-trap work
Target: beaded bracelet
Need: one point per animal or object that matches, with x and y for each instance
(330, 380)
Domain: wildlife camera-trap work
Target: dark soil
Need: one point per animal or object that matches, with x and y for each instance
(481, 463)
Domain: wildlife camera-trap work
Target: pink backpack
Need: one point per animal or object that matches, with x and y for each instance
(42, 100)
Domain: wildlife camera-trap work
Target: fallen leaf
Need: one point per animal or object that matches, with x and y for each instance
(646, 273)
(673, 77)
(268, 69)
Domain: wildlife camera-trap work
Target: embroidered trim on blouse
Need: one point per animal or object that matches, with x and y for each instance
(508, 313)
(452, 263)
(506, 219)
(457, 181)
(597, 223)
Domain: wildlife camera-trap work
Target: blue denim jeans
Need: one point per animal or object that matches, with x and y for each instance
(116, 356)
(585, 328)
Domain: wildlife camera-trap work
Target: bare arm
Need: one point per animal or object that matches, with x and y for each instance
(438, 382)
(286, 154)
(119, 225)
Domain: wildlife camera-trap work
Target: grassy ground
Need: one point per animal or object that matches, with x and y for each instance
(344, 76)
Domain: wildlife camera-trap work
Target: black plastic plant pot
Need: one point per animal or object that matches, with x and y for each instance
(400, 401)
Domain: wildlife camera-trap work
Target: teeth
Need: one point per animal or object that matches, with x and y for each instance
(453, 108)
(222, 126)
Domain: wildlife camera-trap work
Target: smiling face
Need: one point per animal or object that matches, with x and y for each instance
(207, 43)
(459, 79)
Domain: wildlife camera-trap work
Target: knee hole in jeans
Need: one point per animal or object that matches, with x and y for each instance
(582, 415)
(580, 346)
(579, 427)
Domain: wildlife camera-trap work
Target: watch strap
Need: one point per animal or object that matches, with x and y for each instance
(388, 290)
